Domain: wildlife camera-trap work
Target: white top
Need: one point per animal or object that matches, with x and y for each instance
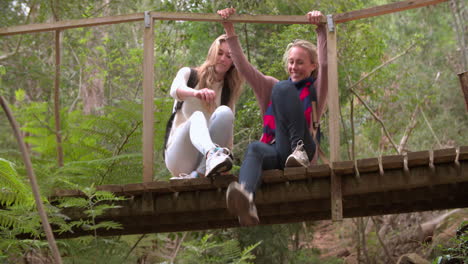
(191, 104)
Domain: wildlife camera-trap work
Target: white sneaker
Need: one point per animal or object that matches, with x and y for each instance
(299, 157)
(218, 160)
(184, 176)
(240, 203)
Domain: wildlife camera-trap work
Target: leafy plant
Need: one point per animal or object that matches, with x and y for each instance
(12, 189)
(94, 204)
(458, 253)
(206, 250)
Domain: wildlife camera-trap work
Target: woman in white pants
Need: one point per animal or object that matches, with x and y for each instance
(202, 131)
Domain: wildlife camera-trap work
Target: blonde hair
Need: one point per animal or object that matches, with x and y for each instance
(233, 80)
(306, 45)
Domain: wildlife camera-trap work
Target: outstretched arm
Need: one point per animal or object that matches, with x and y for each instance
(260, 83)
(315, 17)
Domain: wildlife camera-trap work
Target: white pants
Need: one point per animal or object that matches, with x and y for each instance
(193, 139)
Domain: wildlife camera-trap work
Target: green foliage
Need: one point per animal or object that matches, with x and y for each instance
(311, 256)
(458, 253)
(206, 250)
(13, 190)
(95, 203)
(275, 239)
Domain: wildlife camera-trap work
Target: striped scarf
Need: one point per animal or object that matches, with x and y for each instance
(307, 94)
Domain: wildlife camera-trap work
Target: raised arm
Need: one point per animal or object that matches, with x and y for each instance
(321, 84)
(260, 83)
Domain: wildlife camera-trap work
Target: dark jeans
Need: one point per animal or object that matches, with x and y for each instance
(291, 126)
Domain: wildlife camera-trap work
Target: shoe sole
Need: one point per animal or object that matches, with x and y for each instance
(224, 166)
(238, 204)
(293, 163)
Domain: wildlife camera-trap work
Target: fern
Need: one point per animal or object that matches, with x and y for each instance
(20, 219)
(12, 189)
(247, 254)
(207, 251)
(94, 204)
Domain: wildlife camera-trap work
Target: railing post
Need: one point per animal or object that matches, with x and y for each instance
(58, 132)
(334, 125)
(148, 94)
(464, 86)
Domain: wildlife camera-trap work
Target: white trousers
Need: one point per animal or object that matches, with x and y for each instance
(193, 139)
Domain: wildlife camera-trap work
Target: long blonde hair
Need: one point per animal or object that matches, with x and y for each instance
(309, 47)
(207, 75)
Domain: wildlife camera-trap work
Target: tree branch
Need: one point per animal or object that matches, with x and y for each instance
(408, 130)
(389, 256)
(176, 251)
(430, 128)
(18, 44)
(118, 150)
(376, 118)
(367, 106)
(382, 65)
(33, 181)
(134, 246)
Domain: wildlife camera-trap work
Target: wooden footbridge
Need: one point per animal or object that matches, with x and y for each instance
(417, 181)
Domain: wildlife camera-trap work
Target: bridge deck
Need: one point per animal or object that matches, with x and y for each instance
(418, 181)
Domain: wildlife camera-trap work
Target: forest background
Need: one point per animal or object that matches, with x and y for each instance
(400, 68)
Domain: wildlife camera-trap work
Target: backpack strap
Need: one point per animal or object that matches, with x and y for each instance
(192, 82)
(315, 126)
(225, 94)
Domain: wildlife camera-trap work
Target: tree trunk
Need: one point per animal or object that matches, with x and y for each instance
(92, 88)
(459, 18)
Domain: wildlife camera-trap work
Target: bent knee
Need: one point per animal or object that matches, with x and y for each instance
(255, 147)
(224, 113)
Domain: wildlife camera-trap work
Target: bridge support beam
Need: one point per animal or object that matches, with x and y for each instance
(148, 95)
(334, 122)
(419, 181)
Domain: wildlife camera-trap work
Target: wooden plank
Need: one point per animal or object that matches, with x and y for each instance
(67, 24)
(237, 18)
(273, 176)
(368, 165)
(383, 9)
(133, 188)
(418, 158)
(343, 167)
(444, 155)
(318, 171)
(463, 153)
(113, 188)
(297, 173)
(147, 203)
(221, 181)
(158, 186)
(392, 162)
(464, 86)
(334, 124)
(277, 19)
(148, 103)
